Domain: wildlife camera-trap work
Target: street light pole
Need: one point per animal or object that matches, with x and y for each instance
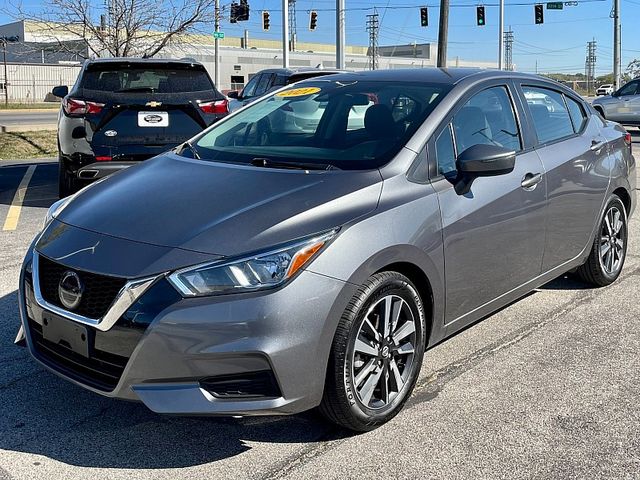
(616, 44)
(340, 36)
(501, 37)
(285, 33)
(216, 43)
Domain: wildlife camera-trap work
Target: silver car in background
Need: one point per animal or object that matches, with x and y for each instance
(621, 106)
(271, 265)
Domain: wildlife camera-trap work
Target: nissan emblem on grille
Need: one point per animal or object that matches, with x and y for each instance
(70, 290)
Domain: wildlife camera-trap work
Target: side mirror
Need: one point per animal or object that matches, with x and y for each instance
(615, 94)
(233, 94)
(60, 91)
(482, 161)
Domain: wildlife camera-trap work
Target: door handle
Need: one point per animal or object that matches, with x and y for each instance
(530, 180)
(596, 145)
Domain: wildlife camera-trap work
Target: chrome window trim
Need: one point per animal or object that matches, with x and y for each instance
(126, 297)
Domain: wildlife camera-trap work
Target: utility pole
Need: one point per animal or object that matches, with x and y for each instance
(285, 33)
(293, 33)
(590, 65)
(501, 35)
(372, 27)
(443, 33)
(616, 43)
(508, 50)
(216, 11)
(340, 35)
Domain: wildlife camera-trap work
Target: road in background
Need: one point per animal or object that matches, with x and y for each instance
(545, 388)
(13, 118)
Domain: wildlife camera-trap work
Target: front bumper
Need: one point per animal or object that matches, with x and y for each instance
(287, 332)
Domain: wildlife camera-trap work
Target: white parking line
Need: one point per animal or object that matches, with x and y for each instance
(11, 222)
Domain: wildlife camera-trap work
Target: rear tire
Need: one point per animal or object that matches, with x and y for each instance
(609, 250)
(376, 354)
(66, 182)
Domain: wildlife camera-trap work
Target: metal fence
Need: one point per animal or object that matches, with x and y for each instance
(30, 83)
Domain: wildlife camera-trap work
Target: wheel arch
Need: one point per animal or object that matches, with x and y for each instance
(625, 197)
(419, 278)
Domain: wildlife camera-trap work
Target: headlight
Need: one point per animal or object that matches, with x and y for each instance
(263, 270)
(54, 210)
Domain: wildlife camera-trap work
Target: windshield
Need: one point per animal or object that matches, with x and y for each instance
(346, 124)
(154, 79)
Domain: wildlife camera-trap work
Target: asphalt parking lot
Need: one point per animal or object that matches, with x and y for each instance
(548, 387)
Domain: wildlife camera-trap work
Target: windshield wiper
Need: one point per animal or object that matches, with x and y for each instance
(188, 145)
(135, 89)
(267, 163)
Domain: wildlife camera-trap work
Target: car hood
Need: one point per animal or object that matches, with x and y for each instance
(218, 208)
(605, 99)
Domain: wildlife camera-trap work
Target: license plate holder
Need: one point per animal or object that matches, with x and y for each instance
(153, 119)
(64, 332)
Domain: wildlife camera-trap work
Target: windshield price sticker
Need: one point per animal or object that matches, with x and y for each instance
(298, 92)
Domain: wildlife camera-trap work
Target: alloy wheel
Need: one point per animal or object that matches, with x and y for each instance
(612, 238)
(384, 352)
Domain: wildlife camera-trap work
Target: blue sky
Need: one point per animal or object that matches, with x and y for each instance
(559, 45)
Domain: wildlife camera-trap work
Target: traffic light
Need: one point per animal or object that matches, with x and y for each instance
(265, 20)
(480, 16)
(539, 13)
(239, 12)
(313, 20)
(424, 17)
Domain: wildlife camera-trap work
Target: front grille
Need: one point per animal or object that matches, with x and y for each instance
(99, 290)
(102, 370)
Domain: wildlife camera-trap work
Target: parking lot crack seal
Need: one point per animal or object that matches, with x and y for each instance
(333, 439)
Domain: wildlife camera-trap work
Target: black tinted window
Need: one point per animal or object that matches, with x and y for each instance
(629, 89)
(264, 84)
(127, 79)
(550, 116)
(578, 117)
(488, 119)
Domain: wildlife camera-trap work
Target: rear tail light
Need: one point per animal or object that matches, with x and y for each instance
(627, 138)
(216, 106)
(76, 108)
(105, 158)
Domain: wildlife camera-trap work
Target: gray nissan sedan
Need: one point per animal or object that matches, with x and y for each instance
(305, 251)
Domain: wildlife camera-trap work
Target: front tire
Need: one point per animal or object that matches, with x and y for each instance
(609, 250)
(376, 354)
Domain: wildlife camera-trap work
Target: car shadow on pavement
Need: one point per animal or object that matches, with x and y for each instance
(566, 282)
(45, 415)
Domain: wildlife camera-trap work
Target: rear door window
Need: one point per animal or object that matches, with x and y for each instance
(551, 119)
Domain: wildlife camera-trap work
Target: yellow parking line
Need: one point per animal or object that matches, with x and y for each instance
(11, 222)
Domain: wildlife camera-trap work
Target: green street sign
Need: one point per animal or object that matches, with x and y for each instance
(218, 34)
(555, 5)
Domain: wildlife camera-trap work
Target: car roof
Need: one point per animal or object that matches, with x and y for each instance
(450, 76)
(184, 61)
(295, 70)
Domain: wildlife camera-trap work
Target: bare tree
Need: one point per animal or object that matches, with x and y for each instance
(118, 28)
(633, 69)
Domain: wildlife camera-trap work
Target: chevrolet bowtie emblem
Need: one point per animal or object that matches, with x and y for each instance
(153, 103)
